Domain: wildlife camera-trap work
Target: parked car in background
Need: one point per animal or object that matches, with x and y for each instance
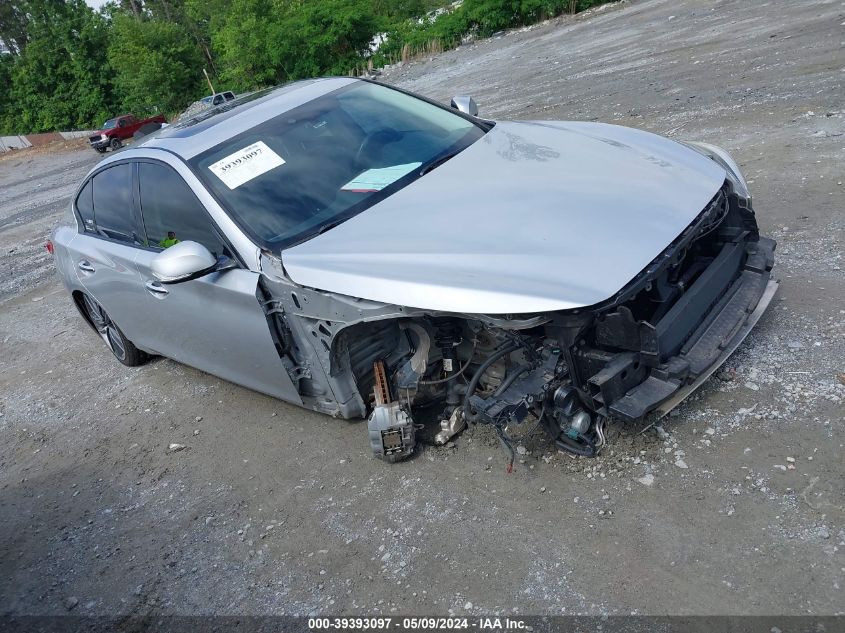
(115, 131)
(217, 98)
(365, 252)
(206, 103)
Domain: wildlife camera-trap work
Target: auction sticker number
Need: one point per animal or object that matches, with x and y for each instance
(406, 624)
(343, 624)
(246, 164)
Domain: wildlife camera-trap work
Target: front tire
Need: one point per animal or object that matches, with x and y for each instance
(121, 347)
(115, 144)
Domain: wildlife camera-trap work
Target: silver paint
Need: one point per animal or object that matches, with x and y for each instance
(180, 261)
(465, 104)
(533, 217)
(214, 323)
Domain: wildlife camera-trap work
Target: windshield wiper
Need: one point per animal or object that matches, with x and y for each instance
(439, 161)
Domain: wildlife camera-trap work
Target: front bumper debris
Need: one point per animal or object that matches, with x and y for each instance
(728, 349)
(720, 313)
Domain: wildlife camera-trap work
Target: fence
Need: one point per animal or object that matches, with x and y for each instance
(34, 140)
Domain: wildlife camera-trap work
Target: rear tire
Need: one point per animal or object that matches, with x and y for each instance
(115, 144)
(121, 347)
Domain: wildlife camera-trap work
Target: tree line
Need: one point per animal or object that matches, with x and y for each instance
(65, 66)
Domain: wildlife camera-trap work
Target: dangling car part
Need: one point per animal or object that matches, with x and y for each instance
(317, 239)
(390, 426)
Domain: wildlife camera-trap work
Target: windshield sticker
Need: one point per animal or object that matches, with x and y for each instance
(246, 164)
(377, 179)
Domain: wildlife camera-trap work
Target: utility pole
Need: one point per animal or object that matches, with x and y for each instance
(208, 80)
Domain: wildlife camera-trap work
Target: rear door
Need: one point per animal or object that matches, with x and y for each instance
(215, 323)
(104, 253)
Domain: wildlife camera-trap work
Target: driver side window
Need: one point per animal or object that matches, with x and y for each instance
(171, 212)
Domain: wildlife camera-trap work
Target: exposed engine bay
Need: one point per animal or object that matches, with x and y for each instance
(473, 372)
(569, 372)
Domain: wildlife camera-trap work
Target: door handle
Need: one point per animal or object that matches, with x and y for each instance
(86, 266)
(154, 286)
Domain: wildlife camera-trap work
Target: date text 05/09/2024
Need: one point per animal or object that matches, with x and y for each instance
(417, 624)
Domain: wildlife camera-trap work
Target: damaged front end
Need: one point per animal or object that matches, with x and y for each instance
(645, 348)
(664, 333)
(421, 375)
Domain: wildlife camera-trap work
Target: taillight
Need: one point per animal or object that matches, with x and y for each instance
(49, 246)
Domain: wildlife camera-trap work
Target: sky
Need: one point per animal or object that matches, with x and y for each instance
(95, 4)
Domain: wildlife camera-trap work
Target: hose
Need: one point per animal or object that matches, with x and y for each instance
(476, 377)
(456, 374)
(507, 382)
(586, 449)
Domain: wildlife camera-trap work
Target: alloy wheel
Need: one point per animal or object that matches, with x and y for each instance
(105, 327)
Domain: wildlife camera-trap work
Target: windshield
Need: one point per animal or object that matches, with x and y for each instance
(110, 124)
(312, 167)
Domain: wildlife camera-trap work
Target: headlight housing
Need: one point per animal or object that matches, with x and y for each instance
(724, 159)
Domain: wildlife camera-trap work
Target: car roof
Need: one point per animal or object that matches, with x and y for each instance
(213, 126)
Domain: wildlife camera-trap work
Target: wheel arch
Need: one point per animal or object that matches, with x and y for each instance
(77, 296)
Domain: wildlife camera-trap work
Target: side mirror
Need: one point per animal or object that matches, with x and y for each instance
(466, 105)
(182, 262)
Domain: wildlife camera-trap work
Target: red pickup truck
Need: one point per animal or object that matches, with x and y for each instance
(120, 128)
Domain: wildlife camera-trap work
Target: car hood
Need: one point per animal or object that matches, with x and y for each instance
(533, 217)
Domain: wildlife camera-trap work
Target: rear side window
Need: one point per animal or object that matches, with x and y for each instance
(113, 203)
(85, 206)
(171, 211)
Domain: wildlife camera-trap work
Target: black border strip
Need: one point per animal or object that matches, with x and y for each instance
(491, 623)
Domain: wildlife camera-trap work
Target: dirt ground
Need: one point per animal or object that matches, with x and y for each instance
(735, 505)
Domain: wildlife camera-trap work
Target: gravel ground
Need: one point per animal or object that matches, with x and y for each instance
(36, 186)
(736, 504)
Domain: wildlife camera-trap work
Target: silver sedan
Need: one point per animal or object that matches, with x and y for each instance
(365, 252)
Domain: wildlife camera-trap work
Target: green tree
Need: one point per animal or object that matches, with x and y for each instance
(60, 80)
(265, 42)
(69, 66)
(157, 65)
(7, 112)
(324, 37)
(195, 16)
(246, 43)
(395, 10)
(13, 34)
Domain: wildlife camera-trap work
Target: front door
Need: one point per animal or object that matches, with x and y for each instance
(214, 323)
